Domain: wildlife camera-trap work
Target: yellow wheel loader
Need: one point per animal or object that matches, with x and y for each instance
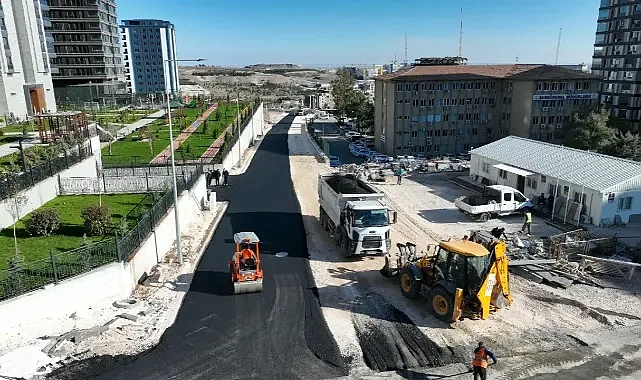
(460, 279)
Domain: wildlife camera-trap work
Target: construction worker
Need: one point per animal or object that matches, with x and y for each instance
(479, 363)
(225, 177)
(245, 254)
(527, 221)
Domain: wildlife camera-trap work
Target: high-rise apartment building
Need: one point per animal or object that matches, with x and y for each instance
(445, 106)
(86, 44)
(149, 47)
(25, 79)
(617, 57)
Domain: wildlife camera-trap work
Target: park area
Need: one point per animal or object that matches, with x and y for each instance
(72, 231)
(143, 145)
(126, 116)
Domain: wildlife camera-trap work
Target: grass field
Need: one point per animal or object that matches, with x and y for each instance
(18, 128)
(128, 117)
(199, 141)
(71, 231)
(131, 147)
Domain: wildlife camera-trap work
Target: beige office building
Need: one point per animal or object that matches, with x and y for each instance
(434, 108)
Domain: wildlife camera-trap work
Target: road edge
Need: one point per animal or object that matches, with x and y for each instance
(172, 311)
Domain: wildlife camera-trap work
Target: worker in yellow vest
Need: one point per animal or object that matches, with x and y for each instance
(479, 363)
(527, 222)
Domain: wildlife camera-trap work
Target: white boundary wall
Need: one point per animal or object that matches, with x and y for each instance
(105, 284)
(46, 190)
(255, 128)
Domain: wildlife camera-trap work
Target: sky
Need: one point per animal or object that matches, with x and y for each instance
(342, 32)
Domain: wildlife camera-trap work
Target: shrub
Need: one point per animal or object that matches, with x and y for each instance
(97, 219)
(43, 222)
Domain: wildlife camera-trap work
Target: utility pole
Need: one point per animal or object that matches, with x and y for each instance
(238, 119)
(558, 47)
(405, 62)
(460, 38)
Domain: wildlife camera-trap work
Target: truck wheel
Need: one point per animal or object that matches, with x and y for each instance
(410, 287)
(442, 303)
(484, 217)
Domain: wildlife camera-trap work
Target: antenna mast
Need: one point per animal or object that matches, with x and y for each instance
(405, 63)
(460, 38)
(558, 47)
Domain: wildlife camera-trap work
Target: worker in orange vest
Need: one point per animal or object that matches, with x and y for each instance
(246, 253)
(479, 363)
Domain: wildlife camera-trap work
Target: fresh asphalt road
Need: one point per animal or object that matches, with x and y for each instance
(277, 334)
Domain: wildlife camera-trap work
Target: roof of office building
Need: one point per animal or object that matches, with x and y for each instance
(583, 168)
(506, 71)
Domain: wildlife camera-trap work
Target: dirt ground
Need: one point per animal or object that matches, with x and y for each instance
(546, 333)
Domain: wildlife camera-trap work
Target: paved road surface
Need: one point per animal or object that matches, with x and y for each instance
(338, 145)
(278, 334)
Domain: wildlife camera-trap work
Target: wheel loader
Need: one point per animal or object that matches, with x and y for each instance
(466, 278)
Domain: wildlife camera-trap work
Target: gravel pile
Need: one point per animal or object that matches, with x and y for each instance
(346, 184)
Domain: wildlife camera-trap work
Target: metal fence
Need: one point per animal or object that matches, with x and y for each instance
(148, 169)
(14, 183)
(30, 276)
(114, 185)
(229, 143)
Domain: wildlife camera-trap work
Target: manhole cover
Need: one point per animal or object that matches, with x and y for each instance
(281, 254)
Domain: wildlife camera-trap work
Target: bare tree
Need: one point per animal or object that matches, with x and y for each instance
(15, 204)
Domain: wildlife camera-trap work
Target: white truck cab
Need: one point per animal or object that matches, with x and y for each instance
(496, 200)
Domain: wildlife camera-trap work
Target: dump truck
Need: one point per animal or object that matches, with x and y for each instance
(496, 200)
(355, 214)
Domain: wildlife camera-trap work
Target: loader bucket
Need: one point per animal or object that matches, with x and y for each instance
(387, 270)
(248, 287)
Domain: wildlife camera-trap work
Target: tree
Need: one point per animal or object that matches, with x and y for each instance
(590, 130)
(15, 203)
(625, 145)
(343, 90)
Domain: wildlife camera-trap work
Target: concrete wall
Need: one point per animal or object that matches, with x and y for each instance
(48, 189)
(107, 283)
(610, 209)
(253, 129)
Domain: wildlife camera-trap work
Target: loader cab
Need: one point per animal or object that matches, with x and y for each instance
(462, 263)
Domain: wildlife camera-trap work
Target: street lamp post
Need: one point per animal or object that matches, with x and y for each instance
(238, 120)
(173, 163)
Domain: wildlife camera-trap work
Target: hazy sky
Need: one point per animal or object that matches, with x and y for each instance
(372, 31)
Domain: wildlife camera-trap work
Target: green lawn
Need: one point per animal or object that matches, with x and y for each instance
(128, 117)
(18, 128)
(203, 137)
(9, 139)
(70, 234)
(131, 148)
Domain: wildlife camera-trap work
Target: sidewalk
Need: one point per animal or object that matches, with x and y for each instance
(162, 157)
(122, 132)
(7, 149)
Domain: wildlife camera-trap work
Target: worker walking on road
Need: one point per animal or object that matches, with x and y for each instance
(225, 177)
(400, 172)
(217, 177)
(527, 221)
(479, 363)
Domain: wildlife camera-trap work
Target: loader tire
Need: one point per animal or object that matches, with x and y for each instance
(410, 286)
(442, 303)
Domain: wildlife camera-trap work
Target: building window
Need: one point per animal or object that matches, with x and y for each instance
(486, 167)
(502, 173)
(543, 179)
(531, 183)
(399, 87)
(625, 203)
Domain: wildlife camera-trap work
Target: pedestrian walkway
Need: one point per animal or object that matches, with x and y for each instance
(184, 135)
(122, 132)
